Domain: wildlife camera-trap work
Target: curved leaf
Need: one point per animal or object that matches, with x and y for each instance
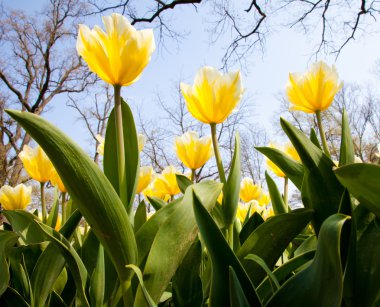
(321, 283)
(222, 258)
(237, 296)
(347, 152)
(132, 157)
(363, 181)
(90, 189)
(183, 182)
(7, 239)
(270, 239)
(293, 169)
(278, 203)
(176, 234)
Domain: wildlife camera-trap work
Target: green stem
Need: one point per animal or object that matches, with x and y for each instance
(230, 236)
(63, 204)
(322, 134)
(286, 190)
(43, 204)
(120, 145)
(192, 175)
(218, 158)
(127, 291)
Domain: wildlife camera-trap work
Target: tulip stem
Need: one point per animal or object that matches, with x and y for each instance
(120, 145)
(192, 175)
(43, 204)
(63, 207)
(322, 134)
(218, 158)
(286, 189)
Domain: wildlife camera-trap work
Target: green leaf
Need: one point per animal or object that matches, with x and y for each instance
(321, 283)
(272, 278)
(97, 281)
(140, 216)
(87, 185)
(367, 277)
(187, 285)
(7, 239)
(53, 214)
(222, 257)
(147, 232)
(321, 190)
(363, 181)
(12, 298)
(132, 157)
(265, 290)
(314, 138)
(270, 239)
(72, 258)
(42, 279)
(231, 189)
(177, 234)
(254, 221)
(237, 296)
(156, 202)
(293, 169)
(148, 299)
(278, 203)
(22, 224)
(347, 152)
(310, 244)
(183, 182)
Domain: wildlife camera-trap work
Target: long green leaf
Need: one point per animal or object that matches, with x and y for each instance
(148, 299)
(347, 152)
(363, 181)
(97, 281)
(237, 296)
(176, 234)
(132, 157)
(321, 190)
(183, 182)
(270, 239)
(278, 203)
(321, 283)
(254, 221)
(186, 284)
(232, 188)
(293, 169)
(7, 239)
(222, 257)
(90, 189)
(272, 278)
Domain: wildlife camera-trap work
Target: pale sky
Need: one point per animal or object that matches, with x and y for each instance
(267, 73)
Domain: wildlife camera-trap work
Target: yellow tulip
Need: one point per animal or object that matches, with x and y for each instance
(15, 198)
(57, 181)
(213, 96)
(36, 163)
(243, 209)
(193, 152)
(145, 177)
(118, 55)
(220, 198)
(166, 182)
(141, 140)
(100, 148)
(151, 191)
(267, 213)
(264, 199)
(290, 151)
(314, 90)
(248, 190)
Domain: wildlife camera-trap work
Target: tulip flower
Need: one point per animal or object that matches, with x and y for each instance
(193, 152)
(244, 209)
(39, 167)
(248, 190)
(290, 151)
(57, 181)
(36, 163)
(118, 55)
(18, 197)
(166, 182)
(145, 177)
(151, 191)
(264, 199)
(313, 92)
(141, 140)
(213, 96)
(100, 148)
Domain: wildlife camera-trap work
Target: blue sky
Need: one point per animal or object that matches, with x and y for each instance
(285, 51)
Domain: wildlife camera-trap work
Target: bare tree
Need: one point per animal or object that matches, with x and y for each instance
(39, 62)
